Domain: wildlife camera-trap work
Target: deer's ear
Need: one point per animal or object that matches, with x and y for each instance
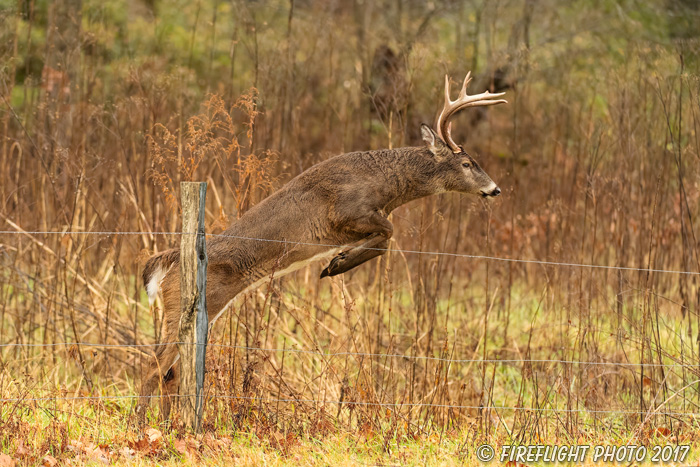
(436, 145)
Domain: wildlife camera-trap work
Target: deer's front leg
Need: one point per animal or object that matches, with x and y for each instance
(379, 231)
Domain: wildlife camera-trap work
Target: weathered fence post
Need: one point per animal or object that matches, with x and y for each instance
(194, 321)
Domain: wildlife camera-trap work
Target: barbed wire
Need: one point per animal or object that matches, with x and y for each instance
(353, 403)
(365, 354)
(326, 245)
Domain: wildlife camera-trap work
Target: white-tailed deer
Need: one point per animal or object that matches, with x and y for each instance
(342, 201)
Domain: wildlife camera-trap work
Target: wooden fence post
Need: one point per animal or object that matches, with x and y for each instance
(194, 322)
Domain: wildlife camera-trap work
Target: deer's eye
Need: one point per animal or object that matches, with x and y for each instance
(466, 165)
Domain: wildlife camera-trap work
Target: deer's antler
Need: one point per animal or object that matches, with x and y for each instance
(463, 101)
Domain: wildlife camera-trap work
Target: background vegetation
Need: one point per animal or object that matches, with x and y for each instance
(108, 104)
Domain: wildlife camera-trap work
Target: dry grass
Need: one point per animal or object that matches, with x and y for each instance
(597, 156)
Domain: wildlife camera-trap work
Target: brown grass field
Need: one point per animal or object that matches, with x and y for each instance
(413, 359)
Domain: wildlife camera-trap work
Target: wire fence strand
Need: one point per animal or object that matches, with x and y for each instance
(356, 403)
(327, 245)
(329, 354)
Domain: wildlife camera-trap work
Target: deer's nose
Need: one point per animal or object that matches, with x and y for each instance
(491, 194)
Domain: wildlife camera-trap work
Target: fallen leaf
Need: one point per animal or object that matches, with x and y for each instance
(154, 436)
(76, 446)
(180, 446)
(49, 461)
(141, 445)
(127, 452)
(97, 454)
(22, 450)
(6, 461)
(187, 447)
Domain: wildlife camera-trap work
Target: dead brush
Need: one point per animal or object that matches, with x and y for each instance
(212, 136)
(55, 439)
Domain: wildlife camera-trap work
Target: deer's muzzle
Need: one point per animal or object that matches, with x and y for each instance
(491, 194)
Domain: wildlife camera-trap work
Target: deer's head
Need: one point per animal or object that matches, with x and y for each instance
(459, 171)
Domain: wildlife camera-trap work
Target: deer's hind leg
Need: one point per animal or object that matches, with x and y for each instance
(170, 387)
(162, 373)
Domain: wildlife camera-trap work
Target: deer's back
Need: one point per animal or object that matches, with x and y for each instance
(305, 216)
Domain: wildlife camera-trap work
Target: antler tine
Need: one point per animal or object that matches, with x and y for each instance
(447, 92)
(467, 80)
(462, 102)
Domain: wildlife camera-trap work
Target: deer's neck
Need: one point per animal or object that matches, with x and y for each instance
(411, 174)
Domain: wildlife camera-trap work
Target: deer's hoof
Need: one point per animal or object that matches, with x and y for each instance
(333, 268)
(138, 417)
(328, 272)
